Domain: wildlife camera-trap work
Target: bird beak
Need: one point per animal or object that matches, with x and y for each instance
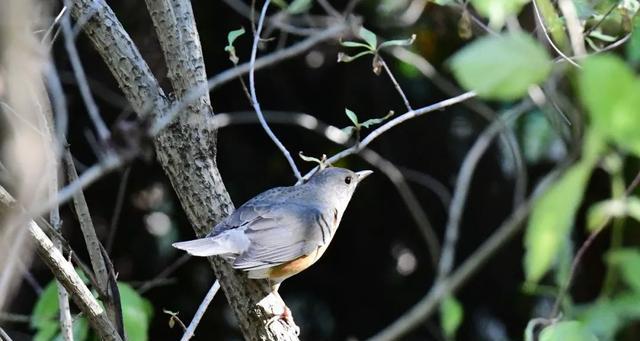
(363, 174)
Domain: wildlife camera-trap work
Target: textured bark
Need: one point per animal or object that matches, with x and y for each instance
(66, 275)
(186, 148)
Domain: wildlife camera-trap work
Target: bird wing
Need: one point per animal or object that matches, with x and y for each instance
(284, 232)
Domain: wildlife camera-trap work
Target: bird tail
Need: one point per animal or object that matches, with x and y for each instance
(228, 243)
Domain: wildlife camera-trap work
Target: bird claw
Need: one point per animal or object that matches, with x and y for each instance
(287, 317)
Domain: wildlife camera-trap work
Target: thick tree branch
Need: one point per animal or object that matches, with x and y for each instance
(67, 276)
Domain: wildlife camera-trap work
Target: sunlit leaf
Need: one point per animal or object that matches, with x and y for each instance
(399, 42)
(348, 130)
(566, 331)
(352, 117)
(373, 121)
(498, 10)
(551, 220)
(628, 262)
(136, 313)
(345, 58)
(451, 314)
(231, 38)
(299, 6)
(609, 90)
(368, 36)
(501, 67)
(599, 213)
(354, 44)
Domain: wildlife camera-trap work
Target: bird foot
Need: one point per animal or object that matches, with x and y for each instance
(287, 317)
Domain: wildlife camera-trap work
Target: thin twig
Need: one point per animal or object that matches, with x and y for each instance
(463, 183)
(394, 122)
(500, 237)
(549, 40)
(81, 77)
(231, 74)
(395, 84)
(4, 336)
(117, 210)
(583, 249)
(254, 98)
(164, 273)
(189, 333)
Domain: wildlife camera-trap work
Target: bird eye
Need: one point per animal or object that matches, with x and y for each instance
(347, 180)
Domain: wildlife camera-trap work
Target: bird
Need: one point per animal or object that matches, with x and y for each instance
(284, 230)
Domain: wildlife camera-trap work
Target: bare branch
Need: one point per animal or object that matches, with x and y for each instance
(463, 183)
(574, 27)
(396, 84)
(254, 98)
(428, 304)
(189, 333)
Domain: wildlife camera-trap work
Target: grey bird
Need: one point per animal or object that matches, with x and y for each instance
(284, 230)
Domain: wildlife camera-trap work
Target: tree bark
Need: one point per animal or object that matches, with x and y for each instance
(187, 147)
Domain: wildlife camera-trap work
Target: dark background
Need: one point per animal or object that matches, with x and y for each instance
(356, 289)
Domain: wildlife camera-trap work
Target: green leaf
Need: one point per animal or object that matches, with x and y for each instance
(501, 67)
(606, 317)
(299, 6)
(231, 38)
(348, 130)
(551, 220)
(369, 37)
(345, 58)
(566, 331)
(47, 308)
(136, 313)
(451, 314)
(628, 261)
(233, 35)
(280, 3)
(399, 42)
(609, 91)
(354, 44)
(352, 116)
(47, 331)
(373, 121)
(498, 10)
(599, 213)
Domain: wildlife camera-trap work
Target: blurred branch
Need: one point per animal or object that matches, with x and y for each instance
(447, 258)
(449, 285)
(574, 27)
(231, 74)
(67, 276)
(254, 97)
(117, 210)
(4, 336)
(585, 246)
(92, 242)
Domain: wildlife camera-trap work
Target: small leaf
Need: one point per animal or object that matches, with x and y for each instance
(628, 261)
(600, 213)
(498, 10)
(566, 331)
(369, 37)
(299, 6)
(399, 42)
(231, 38)
(352, 116)
(345, 58)
(354, 44)
(451, 314)
(348, 130)
(233, 35)
(373, 121)
(551, 220)
(608, 89)
(46, 309)
(501, 67)
(136, 313)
